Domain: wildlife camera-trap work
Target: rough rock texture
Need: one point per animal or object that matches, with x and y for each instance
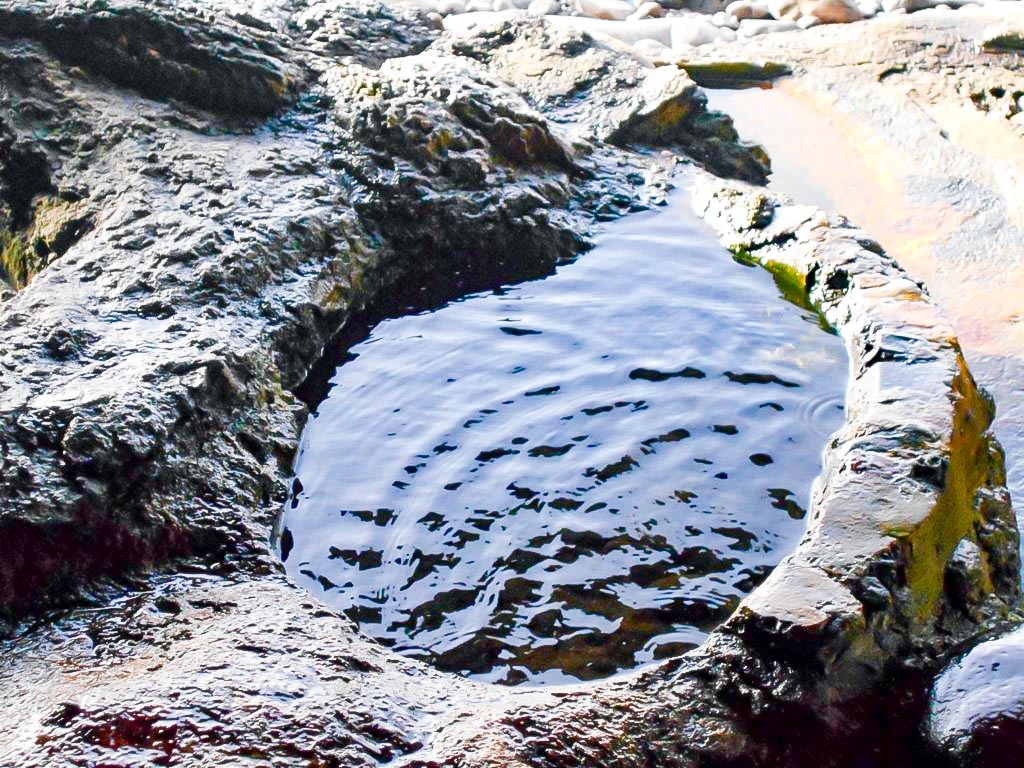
(147, 371)
(596, 93)
(915, 417)
(923, 148)
(148, 408)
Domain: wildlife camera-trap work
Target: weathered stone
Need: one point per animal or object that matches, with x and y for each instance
(216, 64)
(576, 81)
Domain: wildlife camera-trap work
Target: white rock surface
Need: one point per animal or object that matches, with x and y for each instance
(646, 10)
(445, 7)
(723, 19)
(693, 31)
(755, 27)
(628, 32)
(653, 50)
(544, 7)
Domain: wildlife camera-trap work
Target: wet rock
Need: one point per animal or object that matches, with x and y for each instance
(863, 293)
(967, 576)
(156, 349)
(165, 52)
(976, 712)
(246, 191)
(733, 74)
(456, 137)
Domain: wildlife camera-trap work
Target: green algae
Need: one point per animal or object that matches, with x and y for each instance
(791, 283)
(734, 74)
(18, 260)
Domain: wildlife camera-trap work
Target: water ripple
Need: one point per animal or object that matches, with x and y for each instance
(573, 476)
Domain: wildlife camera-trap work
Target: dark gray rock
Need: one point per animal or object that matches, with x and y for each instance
(193, 268)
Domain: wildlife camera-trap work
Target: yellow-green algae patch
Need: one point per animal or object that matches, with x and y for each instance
(734, 74)
(18, 260)
(791, 282)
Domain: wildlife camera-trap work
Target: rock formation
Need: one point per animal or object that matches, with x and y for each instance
(194, 199)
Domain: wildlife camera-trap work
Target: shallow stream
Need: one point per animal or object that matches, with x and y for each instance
(573, 476)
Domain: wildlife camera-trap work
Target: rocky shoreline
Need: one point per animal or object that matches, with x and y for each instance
(195, 198)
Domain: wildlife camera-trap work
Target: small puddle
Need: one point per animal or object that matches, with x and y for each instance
(573, 476)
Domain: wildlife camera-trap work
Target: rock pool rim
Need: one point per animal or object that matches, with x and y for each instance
(813, 600)
(620, 632)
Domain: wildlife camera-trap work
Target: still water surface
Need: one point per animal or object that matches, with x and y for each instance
(573, 476)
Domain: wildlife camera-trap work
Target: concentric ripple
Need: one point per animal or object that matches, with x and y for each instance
(574, 476)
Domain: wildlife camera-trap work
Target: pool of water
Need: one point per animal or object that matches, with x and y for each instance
(573, 476)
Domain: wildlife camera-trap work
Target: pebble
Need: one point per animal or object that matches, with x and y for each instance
(688, 29)
(725, 19)
(755, 27)
(604, 9)
(784, 9)
(693, 31)
(646, 10)
(707, 6)
(832, 11)
(544, 7)
(748, 9)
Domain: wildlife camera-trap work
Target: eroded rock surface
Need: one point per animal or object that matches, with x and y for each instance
(208, 193)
